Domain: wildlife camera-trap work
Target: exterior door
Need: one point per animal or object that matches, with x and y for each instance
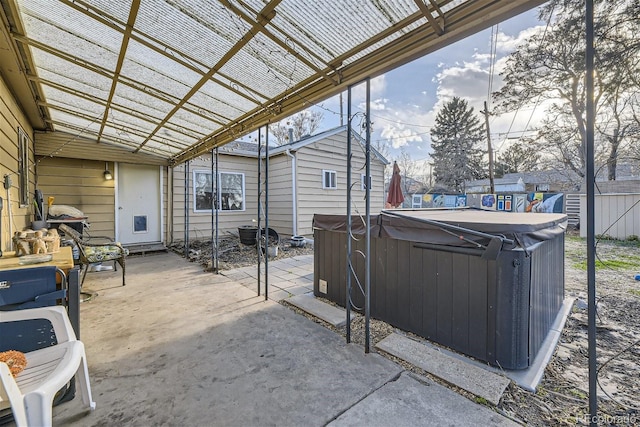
(138, 208)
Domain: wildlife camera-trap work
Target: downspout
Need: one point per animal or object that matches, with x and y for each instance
(294, 191)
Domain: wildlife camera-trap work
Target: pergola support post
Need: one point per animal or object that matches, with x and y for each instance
(591, 246)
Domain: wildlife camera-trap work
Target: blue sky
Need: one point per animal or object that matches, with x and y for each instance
(406, 100)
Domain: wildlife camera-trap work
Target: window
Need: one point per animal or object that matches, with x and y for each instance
(363, 182)
(231, 195)
(23, 167)
(202, 191)
(329, 180)
(232, 191)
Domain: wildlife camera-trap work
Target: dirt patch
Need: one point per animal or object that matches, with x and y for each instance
(233, 254)
(562, 397)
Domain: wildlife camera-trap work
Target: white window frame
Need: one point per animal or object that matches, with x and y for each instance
(243, 201)
(362, 182)
(217, 197)
(23, 167)
(327, 178)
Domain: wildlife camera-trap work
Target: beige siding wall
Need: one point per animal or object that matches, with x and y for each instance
(331, 154)
(616, 215)
(281, 194)
(11, 117)
(200, 222)
(81, 184)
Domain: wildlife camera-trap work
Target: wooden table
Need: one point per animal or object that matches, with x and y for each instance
(62, 259)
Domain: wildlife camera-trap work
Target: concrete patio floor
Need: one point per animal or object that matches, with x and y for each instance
(179, 346)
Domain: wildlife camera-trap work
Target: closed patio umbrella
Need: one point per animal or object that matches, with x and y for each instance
(395, 197)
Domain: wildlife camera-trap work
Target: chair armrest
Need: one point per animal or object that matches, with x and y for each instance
(105, 239)
(57, 315)
(11, 391)
(111, 243)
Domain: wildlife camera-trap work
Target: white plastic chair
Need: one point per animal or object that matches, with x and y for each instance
(31, 393)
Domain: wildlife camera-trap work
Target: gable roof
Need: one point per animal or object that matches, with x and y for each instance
(250, 149)
(308, 140)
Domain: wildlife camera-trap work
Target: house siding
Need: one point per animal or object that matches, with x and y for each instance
(281, 194)
(12, 117)
(328, 153)
(331, 154)
(228, 221)
(81, 184)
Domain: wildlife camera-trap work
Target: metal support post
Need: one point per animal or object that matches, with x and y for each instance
(591, 272)
(259, 234)
(266, 214)
(349, 225)
(186, 209)
(367, 279)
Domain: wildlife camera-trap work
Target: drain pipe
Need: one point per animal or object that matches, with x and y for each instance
(294, 191)
(294, 188)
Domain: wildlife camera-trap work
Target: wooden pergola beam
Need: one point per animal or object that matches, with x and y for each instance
(145, 116)
(167, 51)
(461, 22)
(265, 15)
(133, 14)
(437, 26)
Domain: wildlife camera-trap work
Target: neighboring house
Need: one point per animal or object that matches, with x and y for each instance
(525, 182)
(305, 177)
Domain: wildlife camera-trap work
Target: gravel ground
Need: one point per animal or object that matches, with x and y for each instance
(562, 397)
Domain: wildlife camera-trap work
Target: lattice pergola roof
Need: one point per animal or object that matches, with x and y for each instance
(175, 78)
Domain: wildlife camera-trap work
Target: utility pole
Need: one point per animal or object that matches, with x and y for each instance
(486, 119)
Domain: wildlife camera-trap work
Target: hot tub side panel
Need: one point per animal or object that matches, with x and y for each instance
(475, 306)
(547, 290)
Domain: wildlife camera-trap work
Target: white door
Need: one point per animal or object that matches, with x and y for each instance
(138, 207)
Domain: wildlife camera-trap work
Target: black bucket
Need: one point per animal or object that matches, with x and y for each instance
(247, 234)
(274, 237)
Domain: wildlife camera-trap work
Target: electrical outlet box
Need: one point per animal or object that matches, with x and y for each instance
(322, 286)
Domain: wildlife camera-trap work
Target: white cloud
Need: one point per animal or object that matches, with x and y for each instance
(398, 135)
(377, 88)
(378, 104)
(507, 44)
(469, 81)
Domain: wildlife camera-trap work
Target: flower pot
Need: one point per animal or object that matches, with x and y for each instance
(273, 237)
(298, 242)
(272, 251)
(247, 234)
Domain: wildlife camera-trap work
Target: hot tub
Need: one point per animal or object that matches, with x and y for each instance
(486, 284)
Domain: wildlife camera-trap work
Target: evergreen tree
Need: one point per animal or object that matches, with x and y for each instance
(455, 140)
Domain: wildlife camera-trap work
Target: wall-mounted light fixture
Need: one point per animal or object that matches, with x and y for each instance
(107, 173)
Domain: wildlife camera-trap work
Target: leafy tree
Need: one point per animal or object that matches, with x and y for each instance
(303, 123)
(408, 170)
(517, 158)
(549, 69)
(455, 140)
